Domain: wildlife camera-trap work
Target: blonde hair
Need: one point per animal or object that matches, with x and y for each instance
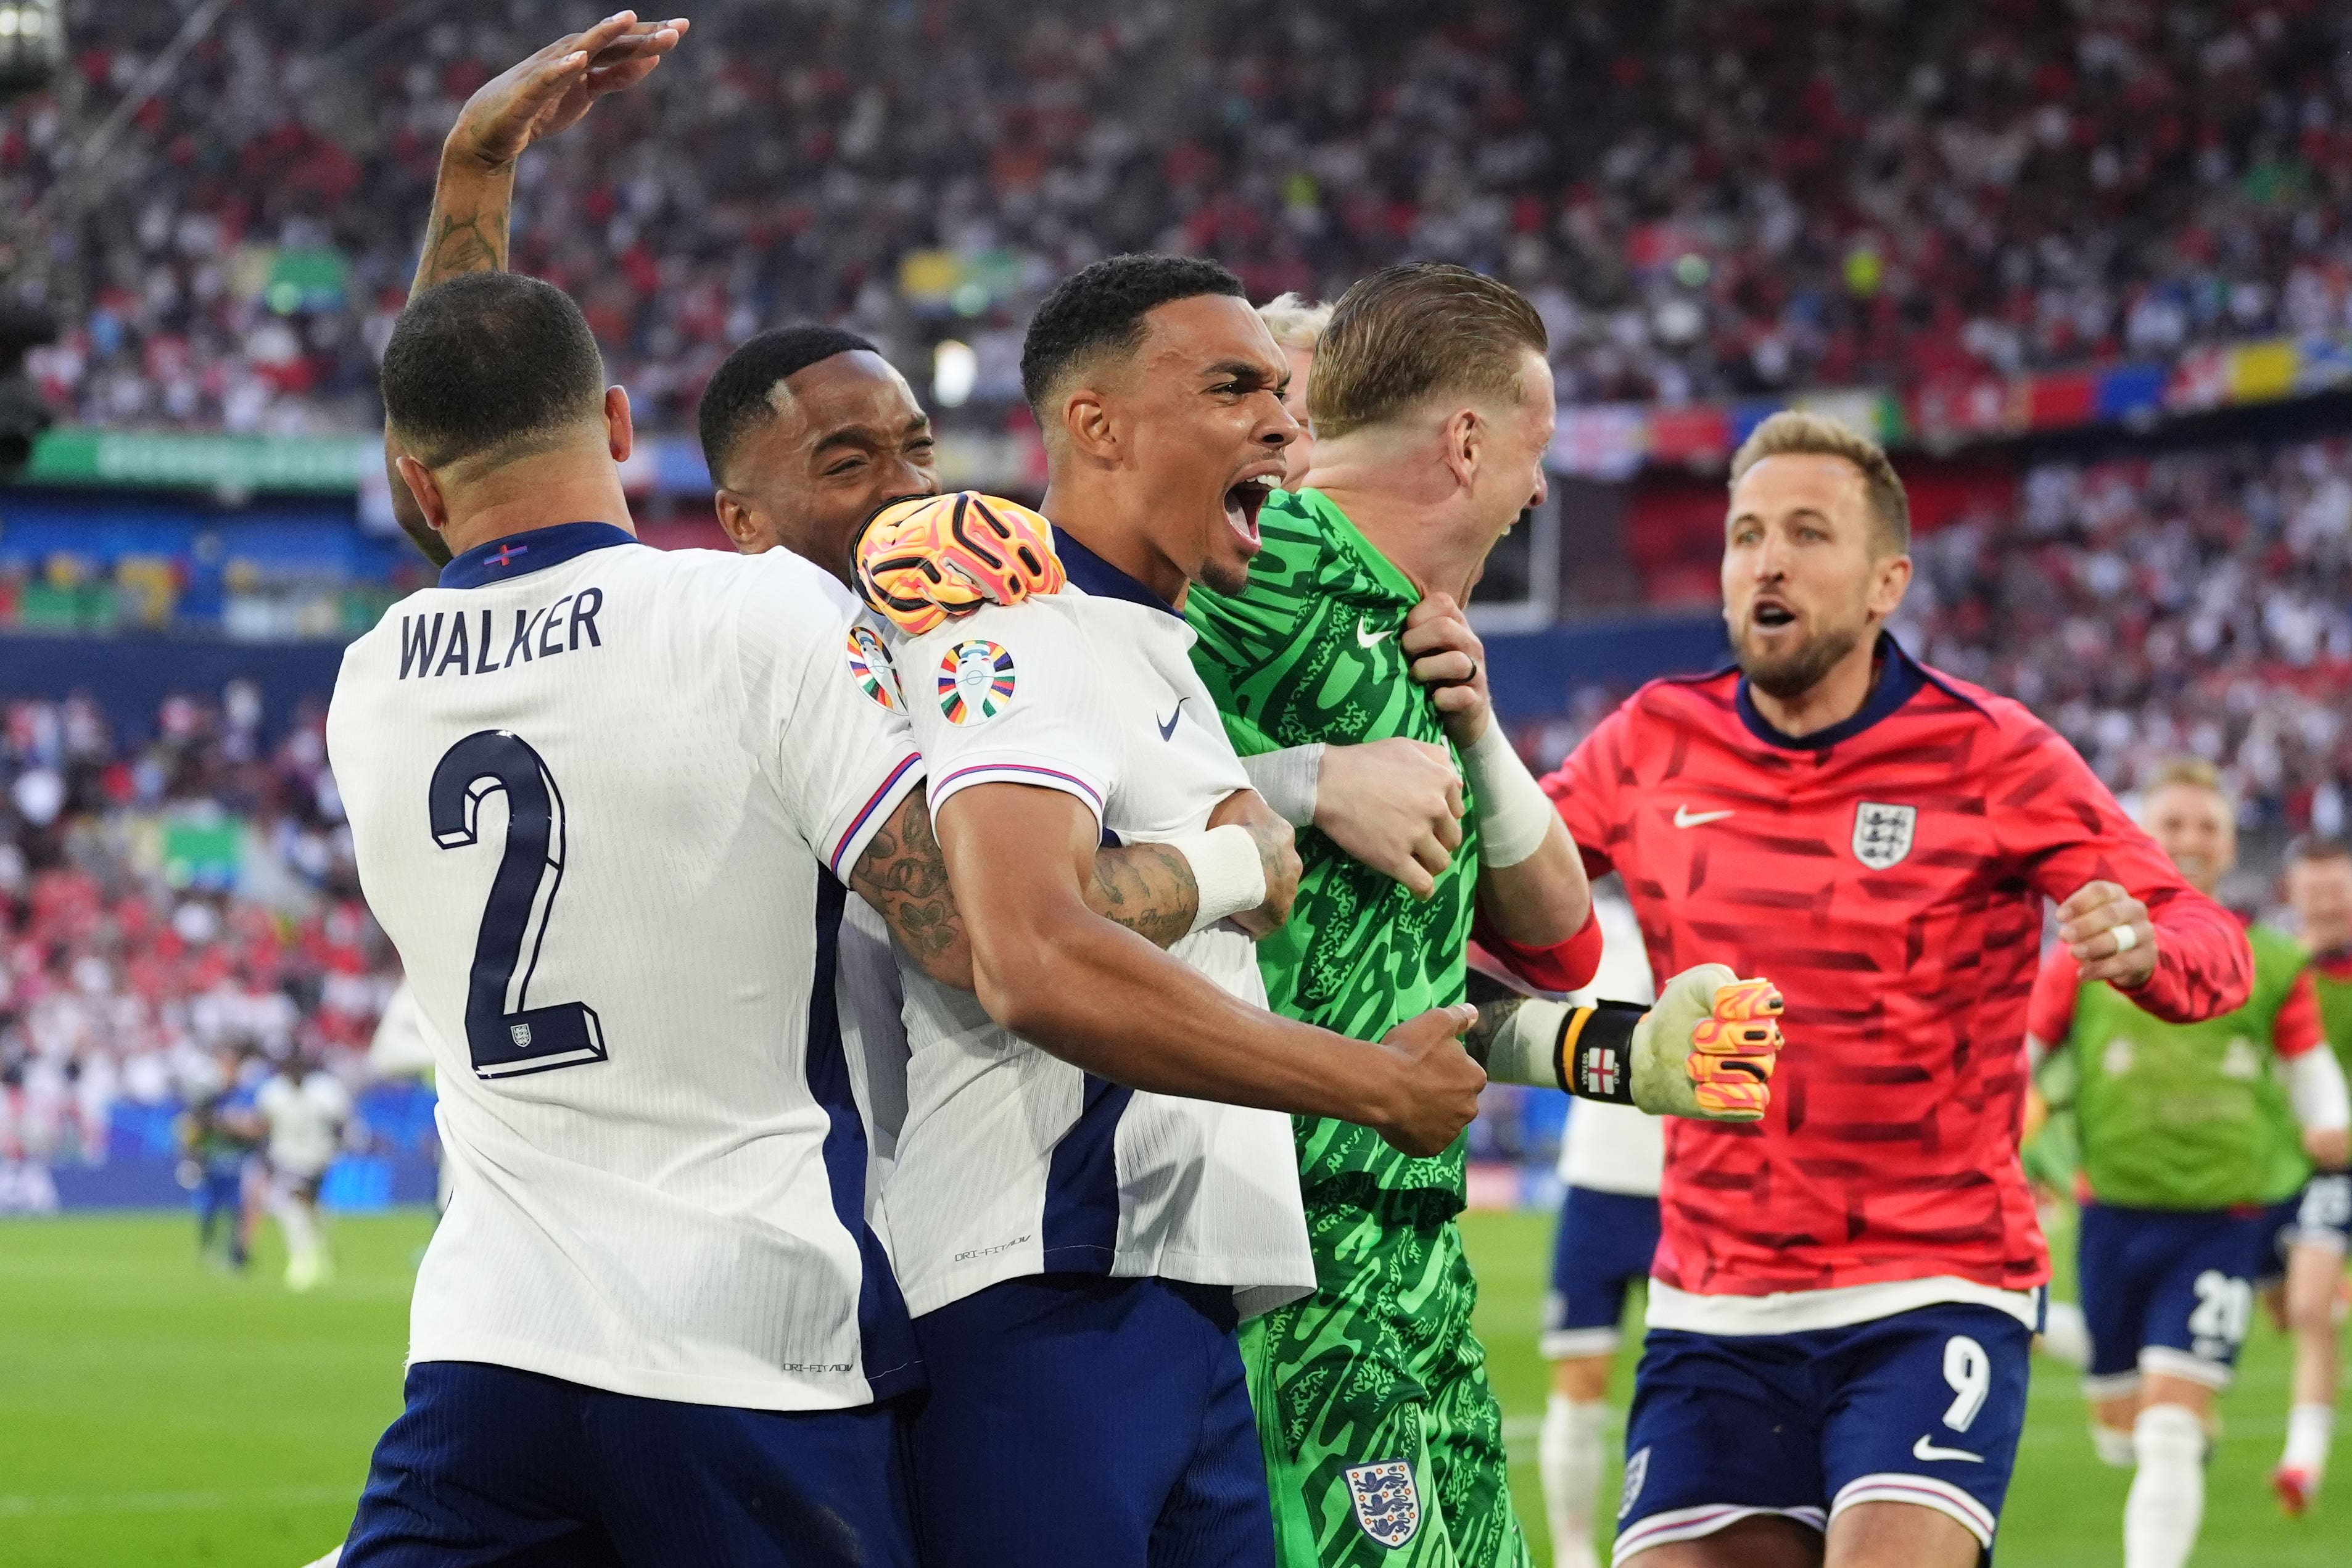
(1791, 432)
(1295, 324)
(2195, 773)
(1411, 331)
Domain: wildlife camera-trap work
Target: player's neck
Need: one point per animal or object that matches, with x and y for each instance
(1097, 520)
(1832, 699)
(1407, 528)
(536, 493)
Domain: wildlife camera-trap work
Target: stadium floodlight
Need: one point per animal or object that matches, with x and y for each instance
(32, 44)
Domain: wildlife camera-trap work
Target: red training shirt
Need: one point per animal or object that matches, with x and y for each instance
(1888, 874)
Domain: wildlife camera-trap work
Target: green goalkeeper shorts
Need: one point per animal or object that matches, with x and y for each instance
(1383, 1442)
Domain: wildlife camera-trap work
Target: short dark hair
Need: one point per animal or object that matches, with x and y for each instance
(1410, 331)
(491, 363)
(1101, 308)
(736, 401)
(2317, 847)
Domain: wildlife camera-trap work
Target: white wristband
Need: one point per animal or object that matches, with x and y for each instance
(1515, 815)
(1227, 871)
(1289, 780)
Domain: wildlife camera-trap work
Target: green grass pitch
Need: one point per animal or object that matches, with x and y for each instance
(152, 1411)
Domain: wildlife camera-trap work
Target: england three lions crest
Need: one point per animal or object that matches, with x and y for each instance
(1387, 1503)
(1882, 834)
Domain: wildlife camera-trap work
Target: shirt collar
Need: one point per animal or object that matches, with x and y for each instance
(1342, 528)
(1899, 680)
(519, 554)
(1100, 578)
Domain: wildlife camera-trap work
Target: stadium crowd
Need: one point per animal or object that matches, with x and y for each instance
(1704, 197)
(163, 900)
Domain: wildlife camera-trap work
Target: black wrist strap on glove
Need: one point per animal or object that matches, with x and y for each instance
(1594, 1058)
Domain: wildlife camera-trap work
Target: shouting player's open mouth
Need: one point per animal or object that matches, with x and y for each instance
(1770, 613)
(1246, 495)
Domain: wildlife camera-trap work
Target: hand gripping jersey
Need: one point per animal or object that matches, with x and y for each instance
(1010, 1160)
(1889, 874)
(2185, 1115)
(1308, 653)
(602, 798)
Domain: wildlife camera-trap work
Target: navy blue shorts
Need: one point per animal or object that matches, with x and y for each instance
(492, 1466)
(2167, 1291)
(1079, 1420)
(2319, 1216)
(1922, 1407)
(1601, 1251)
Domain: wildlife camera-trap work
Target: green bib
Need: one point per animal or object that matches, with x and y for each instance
(2188, 1116)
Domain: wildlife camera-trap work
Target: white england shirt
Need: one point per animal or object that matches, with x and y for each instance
(306, 1122)
(602, 797)
(1010, 1160)
(1614, 1148)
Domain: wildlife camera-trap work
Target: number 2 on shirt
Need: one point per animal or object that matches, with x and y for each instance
(507, 1039)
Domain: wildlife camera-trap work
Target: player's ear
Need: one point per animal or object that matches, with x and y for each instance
(1087, 421)
(1463, 441)
(425, 489)
(735, 517)
(1890, 579)
(620, 435)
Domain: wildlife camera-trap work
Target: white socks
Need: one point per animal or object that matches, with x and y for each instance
(2167, 1496)
(2309, 1430)
(2066, 1335)
(2113, 1445)
(302, 1260)
(1571, 1453)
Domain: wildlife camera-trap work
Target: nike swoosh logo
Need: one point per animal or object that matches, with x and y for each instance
(1685, 817)
(1168, 726)
(1365, 637)
(1924, 1450)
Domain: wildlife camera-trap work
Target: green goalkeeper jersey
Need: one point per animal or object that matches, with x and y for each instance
(2188, 1116)
(1307, 652)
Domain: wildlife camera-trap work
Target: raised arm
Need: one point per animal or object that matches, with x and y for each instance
(1061, 976)
(545, 93)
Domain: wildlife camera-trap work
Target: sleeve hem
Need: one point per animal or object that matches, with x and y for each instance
(1021, 770)
(868, 819)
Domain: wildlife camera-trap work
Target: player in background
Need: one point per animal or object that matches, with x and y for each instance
(307, 1111)
(2182, 1160)
(1079, 1245)
(607, 803)
(1298, 327)
(1610, 1157)
(2319, 891)
(1843, 1294)
(219, 1134)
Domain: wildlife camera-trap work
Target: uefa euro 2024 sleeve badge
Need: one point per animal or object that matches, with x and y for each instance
(1387, 1503)
(1882, 834)
(870, 666)
(975, 682)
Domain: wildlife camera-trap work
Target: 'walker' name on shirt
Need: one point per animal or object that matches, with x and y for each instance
(468, 641)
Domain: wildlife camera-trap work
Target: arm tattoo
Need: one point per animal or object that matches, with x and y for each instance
(471, 242)
(904, 875)
(1479, 1040)
(1147, 889)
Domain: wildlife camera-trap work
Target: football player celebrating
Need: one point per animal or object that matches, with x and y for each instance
(607, 802)
(2189, 1137)
(1843, 1294)
(1080, 1236)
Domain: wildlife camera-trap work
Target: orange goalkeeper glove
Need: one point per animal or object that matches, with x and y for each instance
(925, 558)
(1708, 1047)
